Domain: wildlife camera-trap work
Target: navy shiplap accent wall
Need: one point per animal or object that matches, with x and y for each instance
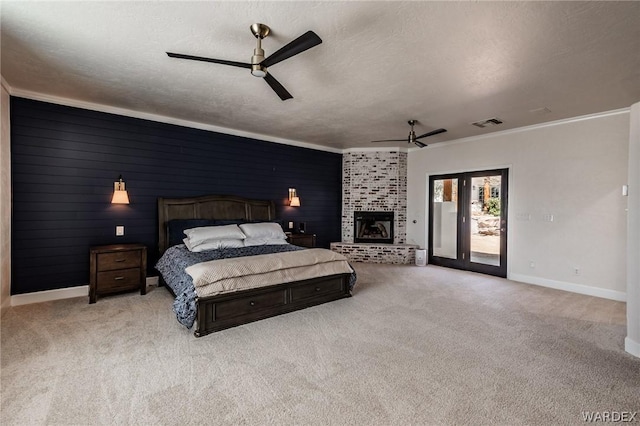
(65, 160)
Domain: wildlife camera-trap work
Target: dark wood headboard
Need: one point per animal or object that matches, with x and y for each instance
(222, 207)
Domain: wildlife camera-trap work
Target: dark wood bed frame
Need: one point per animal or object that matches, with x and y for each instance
(232, 309)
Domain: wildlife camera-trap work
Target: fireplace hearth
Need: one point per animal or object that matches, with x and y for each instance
(373, 227)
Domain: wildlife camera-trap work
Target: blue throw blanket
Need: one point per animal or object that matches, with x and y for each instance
(176, 259)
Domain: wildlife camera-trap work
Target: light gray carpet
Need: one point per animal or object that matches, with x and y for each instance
(413, 346)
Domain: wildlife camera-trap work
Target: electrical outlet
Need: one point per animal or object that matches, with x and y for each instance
(547, 217)
(576, 271)
(532, 264)
(119, 231)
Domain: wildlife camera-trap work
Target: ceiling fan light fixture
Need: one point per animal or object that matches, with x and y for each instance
(258, 70)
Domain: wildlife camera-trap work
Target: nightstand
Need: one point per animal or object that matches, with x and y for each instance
(302, 240)
(117, 268)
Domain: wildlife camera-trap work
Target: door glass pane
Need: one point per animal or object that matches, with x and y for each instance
(485, 219)
(445, 218)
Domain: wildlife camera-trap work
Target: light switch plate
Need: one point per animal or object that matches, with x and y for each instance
(119, 231)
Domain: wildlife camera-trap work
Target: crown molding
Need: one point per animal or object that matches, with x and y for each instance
(162, 119)
(4, 84)
(209, 127)
(381, 149)
(528, 128)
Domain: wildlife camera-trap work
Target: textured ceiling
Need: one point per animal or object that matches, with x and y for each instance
(446, 64)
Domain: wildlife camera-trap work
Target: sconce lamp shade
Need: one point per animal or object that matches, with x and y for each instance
(294, 200)
(120, 195)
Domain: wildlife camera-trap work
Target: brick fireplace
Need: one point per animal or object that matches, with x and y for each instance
(375, 181)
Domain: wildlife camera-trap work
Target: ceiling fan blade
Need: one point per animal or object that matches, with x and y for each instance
(304, 42)
(392, 140)
(431, 133)
(215, 61)
(277, 87)
(420, 144)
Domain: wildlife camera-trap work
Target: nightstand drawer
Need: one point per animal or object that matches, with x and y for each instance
(118, 260)
(122, 279)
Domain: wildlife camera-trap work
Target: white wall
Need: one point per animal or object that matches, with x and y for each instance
(5, 202)
(573, 170)
(632, 341)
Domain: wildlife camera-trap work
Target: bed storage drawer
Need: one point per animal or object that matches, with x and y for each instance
(317, 289)
(250, 304)
(219, 312)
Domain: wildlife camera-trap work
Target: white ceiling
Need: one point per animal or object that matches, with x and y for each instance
(446, 64)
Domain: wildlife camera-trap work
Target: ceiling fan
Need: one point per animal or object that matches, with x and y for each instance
(412, 135)
(259, 63)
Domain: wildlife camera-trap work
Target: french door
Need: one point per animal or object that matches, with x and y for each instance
(468, 221)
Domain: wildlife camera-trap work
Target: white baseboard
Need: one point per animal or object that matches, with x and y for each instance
(571, 287)
(4, 305)
(632, 347)
(49, 295)
(60, 293)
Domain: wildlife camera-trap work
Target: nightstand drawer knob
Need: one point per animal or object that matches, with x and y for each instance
(317, 288)
(252, 303)
(119, 278)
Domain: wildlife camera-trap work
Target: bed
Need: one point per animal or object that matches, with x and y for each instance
(225, 309)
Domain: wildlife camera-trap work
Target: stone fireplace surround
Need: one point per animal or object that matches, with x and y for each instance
(375, 181)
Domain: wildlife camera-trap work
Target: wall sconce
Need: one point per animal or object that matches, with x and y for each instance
(120, 195)
(294, 200)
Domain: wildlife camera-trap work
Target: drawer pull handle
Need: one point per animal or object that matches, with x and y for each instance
(120, 260)
(317, 288)
(252, 303)
(119, 278)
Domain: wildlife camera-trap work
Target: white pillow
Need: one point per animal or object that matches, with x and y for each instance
(186, 243)
(199, 235)
(264, 230)
(263, 242)
(214, 244)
